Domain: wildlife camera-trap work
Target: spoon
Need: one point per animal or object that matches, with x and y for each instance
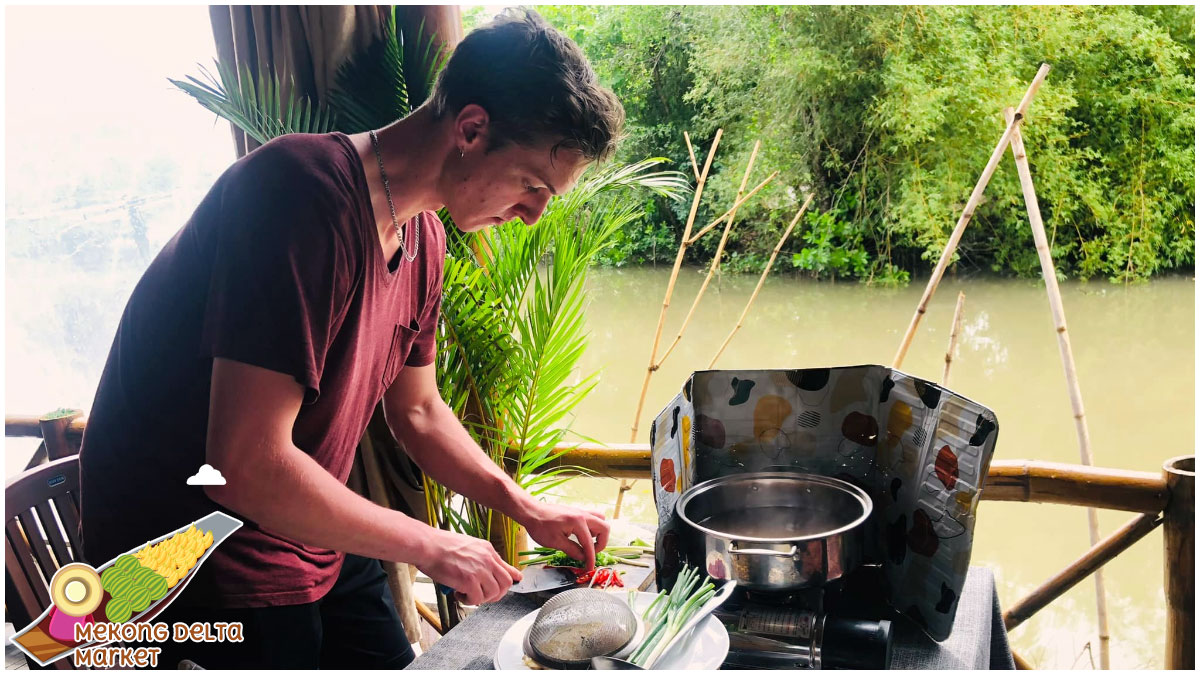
(613, 663)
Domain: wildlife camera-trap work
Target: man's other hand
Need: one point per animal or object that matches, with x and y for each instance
(468, 565)
(553, 525)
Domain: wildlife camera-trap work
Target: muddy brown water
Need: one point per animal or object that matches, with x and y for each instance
(1135, 351)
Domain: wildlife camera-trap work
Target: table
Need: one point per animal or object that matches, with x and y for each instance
(978, 641)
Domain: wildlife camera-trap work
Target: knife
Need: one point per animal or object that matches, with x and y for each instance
(536, 579)
(539, 579)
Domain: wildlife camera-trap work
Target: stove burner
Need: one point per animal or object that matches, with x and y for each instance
(806, 629)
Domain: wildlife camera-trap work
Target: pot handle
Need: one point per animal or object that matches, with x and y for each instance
(734, 550)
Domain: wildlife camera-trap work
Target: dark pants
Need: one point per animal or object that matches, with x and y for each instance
(355, 626)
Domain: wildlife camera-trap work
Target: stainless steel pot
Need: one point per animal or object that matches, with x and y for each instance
(776, 531)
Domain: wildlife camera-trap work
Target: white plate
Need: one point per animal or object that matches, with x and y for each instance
(705, 649)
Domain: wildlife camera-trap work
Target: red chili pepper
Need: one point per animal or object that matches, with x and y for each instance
(585, 577)
(616, 579)
(603, 577)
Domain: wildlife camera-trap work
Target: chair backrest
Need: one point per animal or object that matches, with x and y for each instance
(41, 528)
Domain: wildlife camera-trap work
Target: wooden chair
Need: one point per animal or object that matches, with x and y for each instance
(41, 528)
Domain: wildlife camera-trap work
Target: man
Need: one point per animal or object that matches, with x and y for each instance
(304, 289)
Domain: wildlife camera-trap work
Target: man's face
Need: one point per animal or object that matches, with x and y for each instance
(510, 182)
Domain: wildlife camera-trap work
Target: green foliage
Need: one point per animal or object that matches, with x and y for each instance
(832, 247)
(643, 54)
(889, 113)
(513, 323)
(258, 106)
(372, 87)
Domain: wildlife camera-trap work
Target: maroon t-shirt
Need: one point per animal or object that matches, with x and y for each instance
(280, 267)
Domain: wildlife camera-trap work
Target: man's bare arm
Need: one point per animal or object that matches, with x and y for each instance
(439, 444)
(280, 487)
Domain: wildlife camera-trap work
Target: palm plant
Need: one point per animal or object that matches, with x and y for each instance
(513, 333)
(512, 328)
(373, 89)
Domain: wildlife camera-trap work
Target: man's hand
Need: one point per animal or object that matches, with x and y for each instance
(552, 525)
(468, 565)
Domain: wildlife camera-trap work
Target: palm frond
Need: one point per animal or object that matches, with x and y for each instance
(370, 89)
(475, 347)
(672, 185)
(257, 106)
(431, 59)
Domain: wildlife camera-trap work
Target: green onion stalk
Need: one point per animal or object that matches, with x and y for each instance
(612, 555)
(669, 612)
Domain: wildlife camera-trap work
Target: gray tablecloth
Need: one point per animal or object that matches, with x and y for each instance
(978, 641)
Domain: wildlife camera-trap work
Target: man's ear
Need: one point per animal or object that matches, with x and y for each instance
(471, 127)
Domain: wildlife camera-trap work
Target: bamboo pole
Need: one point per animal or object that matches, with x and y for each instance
(955, 326)
(1179, 562)
(430, 617)
(1011, 480)
(54, 428)
(968, 212)
(614, 460)
(1072, 484)
(1064, 349)
(721, 218)
(1089, 562)
(662, 315)
(716, 261)
(30, 425)
(691, 155)
(761, 280)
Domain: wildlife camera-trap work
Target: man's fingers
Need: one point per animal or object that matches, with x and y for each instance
(601, 529)
(489, 586)
(572, 549)
(584, 535)
(514, 572)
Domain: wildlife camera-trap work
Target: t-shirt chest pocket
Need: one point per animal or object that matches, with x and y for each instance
(403, 336)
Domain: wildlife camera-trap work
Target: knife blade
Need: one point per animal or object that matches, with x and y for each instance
(538, 579)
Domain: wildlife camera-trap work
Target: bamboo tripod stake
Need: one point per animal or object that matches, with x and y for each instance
(732, 210)
(762, 279)
(691, 155)
(955, 326)
(716, 261)
(968, 212)
(1068, 359)
(662, 316)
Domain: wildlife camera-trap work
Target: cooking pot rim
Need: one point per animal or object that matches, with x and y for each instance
(850, 488)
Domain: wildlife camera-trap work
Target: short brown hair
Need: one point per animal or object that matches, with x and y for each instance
(534, 83)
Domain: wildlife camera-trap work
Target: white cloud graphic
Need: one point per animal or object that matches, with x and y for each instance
(206, 476)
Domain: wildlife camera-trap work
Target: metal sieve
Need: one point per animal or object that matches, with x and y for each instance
(578, 624)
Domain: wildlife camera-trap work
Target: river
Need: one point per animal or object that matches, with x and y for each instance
(1135, 351)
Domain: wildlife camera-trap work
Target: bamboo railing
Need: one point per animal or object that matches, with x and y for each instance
(1167, 498)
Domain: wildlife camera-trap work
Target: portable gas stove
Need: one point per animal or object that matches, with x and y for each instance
(815, 628)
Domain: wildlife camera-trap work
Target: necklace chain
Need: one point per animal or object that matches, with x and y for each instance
(416, 239)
